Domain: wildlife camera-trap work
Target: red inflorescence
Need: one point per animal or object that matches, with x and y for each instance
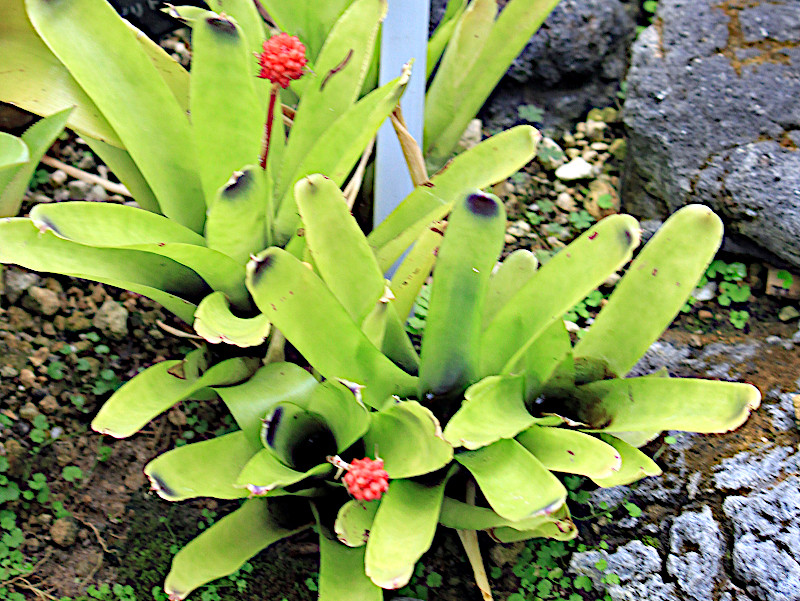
(283, 59)
(366, 479)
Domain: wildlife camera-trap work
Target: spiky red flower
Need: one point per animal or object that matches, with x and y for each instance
(282, 60)
(366, 479)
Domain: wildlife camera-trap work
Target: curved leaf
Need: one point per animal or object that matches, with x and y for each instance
(126, 86)
(354, 522)
(562, 450)
(13, 153)
(158, 388)
(413, 272)
(408, 439)
(653, 290)
(265, 472)
(514, 482)
(347, 417)
(202, 469)
(462, 516)
(563, 281)
(506, 280)
(635, 464)
(494, 408)
(215, 322)
(297, 302)
(403, 530)
(228, 544)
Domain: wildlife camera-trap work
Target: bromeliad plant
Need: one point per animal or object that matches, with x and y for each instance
(497, 369)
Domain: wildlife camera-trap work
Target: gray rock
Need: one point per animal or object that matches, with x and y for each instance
(572, 64)
(747, 470)
(766, 549)
(660, 355)
(97, 193)
(781, 412)
(708, 123)
(18, 282)
(112, 319)
(696, 551)
(78, 189)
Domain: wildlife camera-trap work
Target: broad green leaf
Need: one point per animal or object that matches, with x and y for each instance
(560, 284)
(336, 81)
(131, 93)
(651, 404)
(506, 280)
(494, 408)
(469, 250)
(108, 225)
(441, 36)
(354, 522)
(462, 516)
(247, 17)
(413, 272)
(13, 153)
(341, 254)
(235, 224)
(512, 30)
(215, 322)
(158, 388)
(341, 571)
(229, 543)
(202, 469)
(296, 301)
(123, 167)
(310, 20)
(571, 452)
(562, 530)
(514, 482)
(250, 401)
(26, 64)
(349, 135)
(489, 162)
(548, 364)
(408, 438)
(227, 116)
(653, 290)
(165, 281)
(635, 464)
(265, 472)
(403, 530)
(464, 48)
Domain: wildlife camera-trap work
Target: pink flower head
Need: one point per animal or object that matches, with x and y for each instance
(282, 60)
(366, 479)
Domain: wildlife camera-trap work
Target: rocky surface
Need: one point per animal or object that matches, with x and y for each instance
(708, 121)
(721, 523)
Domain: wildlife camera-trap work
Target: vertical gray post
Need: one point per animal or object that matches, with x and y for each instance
(404, 36)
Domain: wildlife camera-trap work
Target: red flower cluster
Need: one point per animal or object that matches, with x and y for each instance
(282, 60)
(366, 479)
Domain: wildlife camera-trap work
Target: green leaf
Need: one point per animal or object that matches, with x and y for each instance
(635, 464)
(224, 547)
(248, 19)
(562, 450)
(265, 472)
(297, 302)
(215, 322)
(462, 516)
(37, 138)
(403, 530)
(558, 285)
(441, 36)
(505, 281)
(514, 482)
(202, 469)
(310, 20)
(653, 290)
(334, 85)
(651, 404)
(227, 116)
(236, 222)
(344, 413)
(469, 250)
(540, 365)
(354, 522)
(489, 162)
(407, 436)
(341, 571)
(165, 281)
(13, 153)
(341, 254)
(131, 93)
(161, 386)
(349, 134)
(494, 408)
(413, 272)
(108, 225)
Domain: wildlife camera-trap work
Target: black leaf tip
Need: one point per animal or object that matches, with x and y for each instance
(223, 26)
(238, 184)
(482, 205)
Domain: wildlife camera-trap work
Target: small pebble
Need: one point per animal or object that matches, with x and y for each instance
(29, 411)
(577, 168)
(64, 531)
(58, 178)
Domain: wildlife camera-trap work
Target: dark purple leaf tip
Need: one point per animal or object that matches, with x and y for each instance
(261, 265)
(482, 205)
(239, 184)
(222, 26)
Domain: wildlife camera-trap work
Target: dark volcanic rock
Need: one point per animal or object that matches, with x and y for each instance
(713, 117)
